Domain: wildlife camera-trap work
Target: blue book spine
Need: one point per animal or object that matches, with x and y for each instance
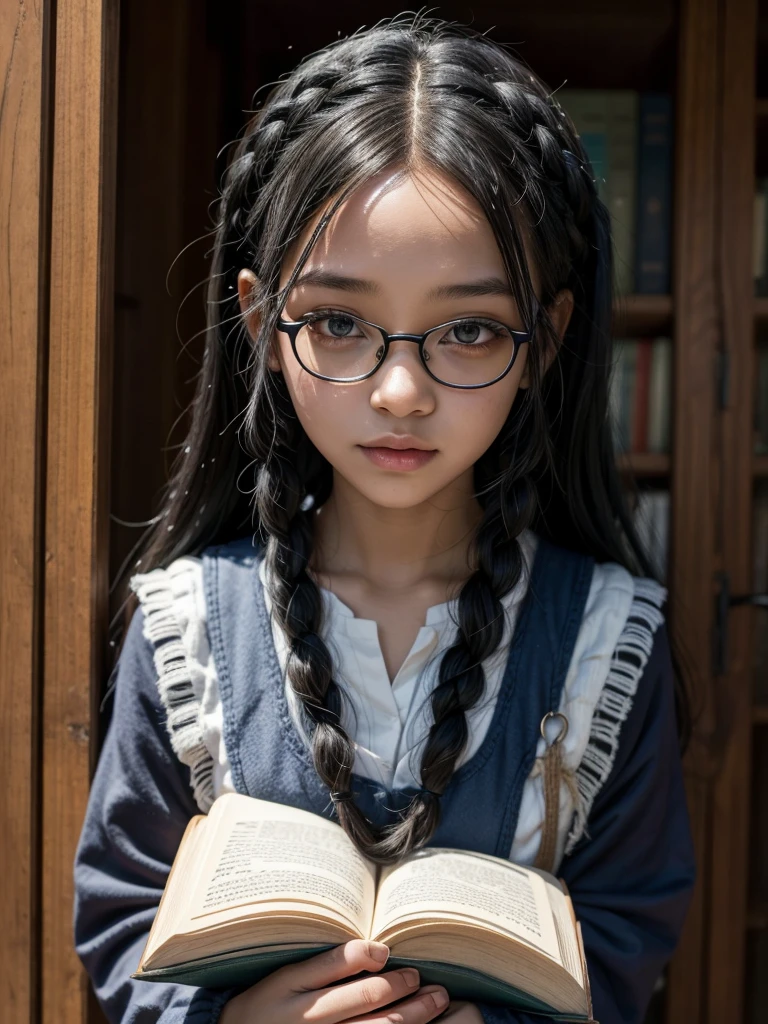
(654, 195)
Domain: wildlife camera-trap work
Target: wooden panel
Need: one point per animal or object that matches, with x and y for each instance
(81, 301)
(729, 839)
(693, 483)
(24, 59)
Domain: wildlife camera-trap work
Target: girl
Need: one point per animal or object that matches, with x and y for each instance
(396, 582)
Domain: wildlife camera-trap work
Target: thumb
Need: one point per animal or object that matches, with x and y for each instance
(335, 964)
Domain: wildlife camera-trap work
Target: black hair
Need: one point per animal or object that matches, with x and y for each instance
(408, 93)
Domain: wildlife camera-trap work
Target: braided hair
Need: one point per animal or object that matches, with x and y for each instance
(408, 93)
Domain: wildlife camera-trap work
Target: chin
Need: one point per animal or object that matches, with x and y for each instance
(396, 494)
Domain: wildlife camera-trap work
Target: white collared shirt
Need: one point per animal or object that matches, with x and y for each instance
(389, 719)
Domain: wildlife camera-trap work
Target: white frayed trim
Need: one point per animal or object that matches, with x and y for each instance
(174, 681)
(615, 702)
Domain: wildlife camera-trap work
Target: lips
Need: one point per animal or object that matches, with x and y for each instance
(399, 442)
(398, 459)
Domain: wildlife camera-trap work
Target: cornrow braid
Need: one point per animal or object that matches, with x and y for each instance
(539, 119)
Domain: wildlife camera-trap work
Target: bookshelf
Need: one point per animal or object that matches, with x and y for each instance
(644, 464)
(745, 775)
(644, 314)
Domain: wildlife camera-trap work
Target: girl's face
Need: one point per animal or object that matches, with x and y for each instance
(407, 253)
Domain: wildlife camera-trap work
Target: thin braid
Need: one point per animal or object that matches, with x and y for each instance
(461, 682)
(297, 606)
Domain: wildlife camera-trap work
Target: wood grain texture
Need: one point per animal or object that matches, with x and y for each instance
(22, 41)
(693, 482)
(24, 61)
(731, 808)
(81, 302)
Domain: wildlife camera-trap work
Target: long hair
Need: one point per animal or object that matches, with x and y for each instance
(409, 93)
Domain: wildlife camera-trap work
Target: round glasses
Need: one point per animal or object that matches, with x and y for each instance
(471, 352)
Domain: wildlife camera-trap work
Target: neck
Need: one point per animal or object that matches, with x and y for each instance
(397, 548)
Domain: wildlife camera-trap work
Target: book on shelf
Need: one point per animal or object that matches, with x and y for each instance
(760, 238)
(760, 586)
(607, 124)
(654, 195)
(761, 400)
(640, 393)
(628, 139)
(256, 885)
(642, 386)
(651, 517)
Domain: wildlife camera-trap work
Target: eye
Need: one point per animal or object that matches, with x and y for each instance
(474, 332)
(467, 332)
(335, 325)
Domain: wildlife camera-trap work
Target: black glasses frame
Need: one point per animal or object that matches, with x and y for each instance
(292, 328)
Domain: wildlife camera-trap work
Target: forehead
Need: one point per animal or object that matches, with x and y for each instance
(406, 228)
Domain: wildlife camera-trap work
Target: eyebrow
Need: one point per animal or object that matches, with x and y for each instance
(468, 289)
(484, 286)
(327, 279)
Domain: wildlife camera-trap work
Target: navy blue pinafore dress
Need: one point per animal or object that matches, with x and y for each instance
(269, 760)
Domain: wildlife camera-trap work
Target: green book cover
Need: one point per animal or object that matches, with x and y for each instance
(621, 136)
(607, 123)
(660, 396)
(251, 966)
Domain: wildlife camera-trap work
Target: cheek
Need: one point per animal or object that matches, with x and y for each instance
(477, 417)
(327, 412)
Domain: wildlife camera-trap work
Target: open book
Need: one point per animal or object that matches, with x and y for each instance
(256, 885)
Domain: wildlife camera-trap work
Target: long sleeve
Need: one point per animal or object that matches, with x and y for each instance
(631, 878)
(139, 805)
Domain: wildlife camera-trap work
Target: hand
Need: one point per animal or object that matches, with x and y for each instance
(305, 993)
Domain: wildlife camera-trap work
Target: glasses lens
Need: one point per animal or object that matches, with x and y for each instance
(339, 345)
(469, 351)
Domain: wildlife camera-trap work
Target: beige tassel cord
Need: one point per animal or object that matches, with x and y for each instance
(553, 776)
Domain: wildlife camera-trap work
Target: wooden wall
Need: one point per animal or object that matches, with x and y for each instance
(58, 130)
(24, 168)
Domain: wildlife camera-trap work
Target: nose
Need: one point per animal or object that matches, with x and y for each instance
(402, 386)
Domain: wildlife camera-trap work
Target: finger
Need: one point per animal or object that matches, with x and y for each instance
(428, 1003)
(334, 965)
(340, 1002)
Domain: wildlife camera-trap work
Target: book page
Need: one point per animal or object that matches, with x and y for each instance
(566, 935)
(269, 853)
(489, 891)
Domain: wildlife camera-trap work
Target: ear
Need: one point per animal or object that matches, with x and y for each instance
(247, 286)
(560, 311)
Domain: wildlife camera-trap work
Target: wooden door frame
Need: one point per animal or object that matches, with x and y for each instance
(693, 479)
(25, 59)
(77, 479)
(713, 446)
(58, 130)
(729, 843)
